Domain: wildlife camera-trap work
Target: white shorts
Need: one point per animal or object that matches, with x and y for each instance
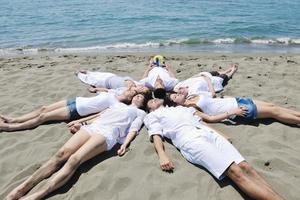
(110, 134)
(211, 151)
(97, 79)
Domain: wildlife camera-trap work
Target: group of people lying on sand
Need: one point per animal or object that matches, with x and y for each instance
(169, 108)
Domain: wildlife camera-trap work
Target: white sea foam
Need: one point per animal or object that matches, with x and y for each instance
(284, 41)
(224, 41)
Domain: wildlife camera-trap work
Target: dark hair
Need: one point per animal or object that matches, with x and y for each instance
(147, 97)
(160, 93)
(168, 101)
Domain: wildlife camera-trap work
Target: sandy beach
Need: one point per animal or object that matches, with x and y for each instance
(28, 82)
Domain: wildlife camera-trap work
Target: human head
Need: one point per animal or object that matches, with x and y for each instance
(142, 89)
(159, 93)
(183, 90)
(153, 104)
(177, 98)
(140, 100)
(127, 96)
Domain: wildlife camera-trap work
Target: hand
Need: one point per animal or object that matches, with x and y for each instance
(213, 95)
(76, 127)
(122, 150)
(168, 67)
(92, 89)
(166, 164)
(72, 123)
(241, 111)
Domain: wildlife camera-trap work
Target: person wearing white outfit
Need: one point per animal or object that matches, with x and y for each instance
(202, 145)
(206, 82)
(66, 110)
(118, 123)
(157, 77)
(105, 81)
(237, 109)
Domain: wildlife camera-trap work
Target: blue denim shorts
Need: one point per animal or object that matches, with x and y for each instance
(251, 110)
(71, 103)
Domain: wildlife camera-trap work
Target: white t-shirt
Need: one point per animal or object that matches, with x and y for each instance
(164, 75)
(215, 106)
(89, 105)
(175, 123)
(198, 85)
(119, 120)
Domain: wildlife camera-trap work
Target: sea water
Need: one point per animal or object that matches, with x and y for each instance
(157, 25)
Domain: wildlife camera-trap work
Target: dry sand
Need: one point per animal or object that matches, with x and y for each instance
(29, 82)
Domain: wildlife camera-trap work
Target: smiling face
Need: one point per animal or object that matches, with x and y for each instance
(178, 98)
(153, 104)
(138, 100)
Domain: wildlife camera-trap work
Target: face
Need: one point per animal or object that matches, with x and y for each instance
(142, 89)
(138, 100)
(183, 91)
(129, 94)
(153, 104)
(178, 98)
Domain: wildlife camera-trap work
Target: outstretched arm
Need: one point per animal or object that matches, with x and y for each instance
(88, 119)
(241, 111)
(129, 138)
(210, 86)
(97, 89)
(171, 71)
(150, 66)
(165, 163)
(129, 83)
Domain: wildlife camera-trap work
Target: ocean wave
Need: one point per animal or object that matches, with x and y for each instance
(284, 41)
(241, 40)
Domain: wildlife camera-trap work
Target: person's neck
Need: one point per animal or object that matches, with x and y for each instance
(133, 104)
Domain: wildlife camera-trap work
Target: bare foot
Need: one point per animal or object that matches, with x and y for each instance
(81, 71)
(92, 89)
(4, 126)
(234, 67)
(31, 197)
(17, 193)
(6, 119)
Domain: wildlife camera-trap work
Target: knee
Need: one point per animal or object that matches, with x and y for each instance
(61, 156)
(42, 117)
(43, 109)
(246, 167)
(235, 173)
(73, 162)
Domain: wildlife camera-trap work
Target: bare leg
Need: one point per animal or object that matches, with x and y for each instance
(226, 70)
(276, 112)
(250, 185)
(95, 145)
(253, 173)
(59, 114)
(71, 146)
(233, 68)
(293, 112)
(35, 113)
